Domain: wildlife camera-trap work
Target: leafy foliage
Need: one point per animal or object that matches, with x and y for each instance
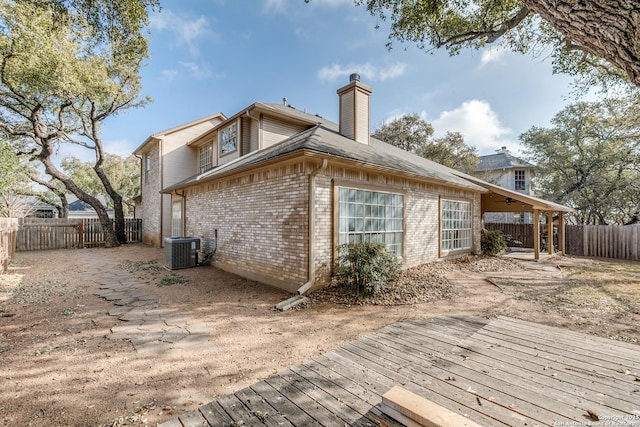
(590, 160)
(413, 134)
(65, 67)
(123, 173)
(492, 242)
(367, 267)
(598, 44)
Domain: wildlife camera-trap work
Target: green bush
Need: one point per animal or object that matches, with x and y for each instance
(493, 242)
(366, 267)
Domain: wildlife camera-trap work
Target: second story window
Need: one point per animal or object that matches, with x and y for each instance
(520, 183)
(205, 158)
(228, 139)
(147, 167)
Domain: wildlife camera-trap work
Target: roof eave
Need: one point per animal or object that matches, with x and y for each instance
(305, 152)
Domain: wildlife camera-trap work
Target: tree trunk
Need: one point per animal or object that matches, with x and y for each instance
(605, 28)
(118, 209)
(110, 238)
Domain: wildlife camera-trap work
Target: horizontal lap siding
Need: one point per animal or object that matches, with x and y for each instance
(261, 221)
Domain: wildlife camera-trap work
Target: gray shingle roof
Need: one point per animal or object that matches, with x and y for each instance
(321, 139)
(501, 161)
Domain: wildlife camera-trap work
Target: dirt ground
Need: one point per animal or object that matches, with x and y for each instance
(58, 369)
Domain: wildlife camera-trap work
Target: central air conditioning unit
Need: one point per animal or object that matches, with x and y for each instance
(181, 252)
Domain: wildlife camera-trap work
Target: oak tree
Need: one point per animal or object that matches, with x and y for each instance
(590, 160)
(65, 67)
(413, 134)
(594, 38)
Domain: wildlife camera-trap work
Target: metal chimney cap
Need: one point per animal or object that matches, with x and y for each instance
(354, 77)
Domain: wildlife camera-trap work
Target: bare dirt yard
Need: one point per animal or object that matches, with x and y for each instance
(65, 361)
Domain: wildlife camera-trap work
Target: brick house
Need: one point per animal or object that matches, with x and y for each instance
(276, 190)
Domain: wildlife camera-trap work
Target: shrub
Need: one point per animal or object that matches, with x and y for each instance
(366, 267)
(493, 242)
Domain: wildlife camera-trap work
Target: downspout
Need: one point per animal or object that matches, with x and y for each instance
(312, 225)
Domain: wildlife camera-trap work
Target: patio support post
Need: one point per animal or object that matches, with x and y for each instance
(561, 243)
(536, 234)
(550, 232)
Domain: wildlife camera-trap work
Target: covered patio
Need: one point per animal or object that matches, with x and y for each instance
(498, 199)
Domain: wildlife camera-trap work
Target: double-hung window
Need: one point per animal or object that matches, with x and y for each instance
(520, 183)
(456, 225)
(147, 167)
(371, 216)
(205, 157)
(228, 139)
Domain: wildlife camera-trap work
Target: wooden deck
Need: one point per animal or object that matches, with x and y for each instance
(496, 373)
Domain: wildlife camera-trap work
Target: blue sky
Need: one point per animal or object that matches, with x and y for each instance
(211, 56)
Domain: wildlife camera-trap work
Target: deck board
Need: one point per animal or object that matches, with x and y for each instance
(496, 373)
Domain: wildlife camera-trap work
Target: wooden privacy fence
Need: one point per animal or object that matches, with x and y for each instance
(604, 241)
(35, 234)
(597, 241)
(8, 229)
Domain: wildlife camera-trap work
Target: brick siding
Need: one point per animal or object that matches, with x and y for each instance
(261, 220)
(150, 209)
(261, 223)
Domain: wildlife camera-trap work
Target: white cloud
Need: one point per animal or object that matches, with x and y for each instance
(479, 125)
(489, 55)
(367, 71)
(169, 75)
(187, 31)
(197, 71)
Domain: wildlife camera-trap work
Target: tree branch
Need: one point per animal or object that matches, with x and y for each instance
(490, 36)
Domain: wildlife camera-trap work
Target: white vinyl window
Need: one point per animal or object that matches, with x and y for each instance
(147, 167)
(205, 157)
(456, 220)
(520, 183)
(371, 216)
(228, 139)
(176, 219)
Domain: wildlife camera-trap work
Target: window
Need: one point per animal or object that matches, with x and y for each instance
(520, 184)
(147, 167)
(176, 219)
(228, 139)
(371, 216)
(456, 220)
(205, 157)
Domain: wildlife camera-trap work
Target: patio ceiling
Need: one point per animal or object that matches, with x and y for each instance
(500, 199)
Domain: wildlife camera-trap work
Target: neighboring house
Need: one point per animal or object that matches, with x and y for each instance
(509, 172)
(79, 209)
(276, 190)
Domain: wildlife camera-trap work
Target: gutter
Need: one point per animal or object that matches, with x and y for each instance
(312, 225)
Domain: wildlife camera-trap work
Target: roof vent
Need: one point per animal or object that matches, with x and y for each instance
(355, 77)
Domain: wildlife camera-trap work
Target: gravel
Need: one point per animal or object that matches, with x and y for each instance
(424, 283)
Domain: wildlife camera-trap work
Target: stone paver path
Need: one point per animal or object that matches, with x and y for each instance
(150, 327)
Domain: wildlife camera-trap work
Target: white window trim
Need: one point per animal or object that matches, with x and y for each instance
(205, 166)
(523, 180)
(221, 132)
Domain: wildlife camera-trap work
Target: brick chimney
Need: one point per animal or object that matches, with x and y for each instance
(354, 110)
